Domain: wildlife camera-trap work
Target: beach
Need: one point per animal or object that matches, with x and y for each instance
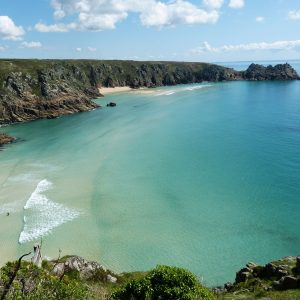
(117, 89)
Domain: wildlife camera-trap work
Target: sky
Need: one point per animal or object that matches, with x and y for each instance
(179, 30)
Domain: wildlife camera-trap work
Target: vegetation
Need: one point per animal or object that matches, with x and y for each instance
(164, 283)
(38, 283)
(72, 277)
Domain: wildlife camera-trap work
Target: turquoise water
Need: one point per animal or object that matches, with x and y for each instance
(201, 176)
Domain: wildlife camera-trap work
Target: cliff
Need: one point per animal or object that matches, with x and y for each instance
(34, 89)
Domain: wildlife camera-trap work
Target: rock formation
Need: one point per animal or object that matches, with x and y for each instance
(5, 139)
(283, 274)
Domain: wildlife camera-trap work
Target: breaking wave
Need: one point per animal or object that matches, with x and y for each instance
(43, 215)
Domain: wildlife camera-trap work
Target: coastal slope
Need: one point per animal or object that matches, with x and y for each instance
(73, 277)
(35, 89)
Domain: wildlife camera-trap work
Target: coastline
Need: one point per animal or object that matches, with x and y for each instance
(50, 97)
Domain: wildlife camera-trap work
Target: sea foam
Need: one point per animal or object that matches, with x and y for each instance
(43, 215)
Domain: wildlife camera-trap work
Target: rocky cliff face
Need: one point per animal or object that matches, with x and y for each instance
(34, 89)
(278, 72)
(47, 92)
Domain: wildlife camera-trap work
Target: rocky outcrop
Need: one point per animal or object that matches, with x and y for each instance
(280, 275)
(86, 270)
(6, 139)
(34, 89)
(278, 72)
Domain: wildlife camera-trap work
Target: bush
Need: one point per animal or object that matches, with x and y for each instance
(167, 283)
(34, 283)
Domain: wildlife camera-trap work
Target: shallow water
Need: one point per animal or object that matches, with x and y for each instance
(202, 176)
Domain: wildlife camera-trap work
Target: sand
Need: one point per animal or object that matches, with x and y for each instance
(118, 89)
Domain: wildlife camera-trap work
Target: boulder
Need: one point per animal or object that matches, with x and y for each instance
(268, 271)
(111, 104)
(242, 275)
(111, 279)
(228, 286)
(5, 139)
(286, 283)
(59, 269)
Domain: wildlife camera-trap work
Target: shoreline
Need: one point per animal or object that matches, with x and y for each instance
(111, 90)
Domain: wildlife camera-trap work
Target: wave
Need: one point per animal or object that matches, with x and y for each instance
(198, 87)
(190, 88)
(43, 215)
(166, 93)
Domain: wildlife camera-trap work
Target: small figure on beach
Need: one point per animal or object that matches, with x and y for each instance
(7, 214)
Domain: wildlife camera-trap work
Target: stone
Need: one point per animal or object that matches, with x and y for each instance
(111, 104)
(251, 265)
(5, 139)
(242, 276)
(268, 271)
(228, 286)
(287, 283)
(59, 269)
(111, 279)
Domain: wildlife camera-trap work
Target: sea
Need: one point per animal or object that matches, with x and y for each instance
(201, 176)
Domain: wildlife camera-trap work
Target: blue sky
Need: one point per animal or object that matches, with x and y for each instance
(182, 30)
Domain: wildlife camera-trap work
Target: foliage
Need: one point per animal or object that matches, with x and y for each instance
(164, 283)
(37, 283)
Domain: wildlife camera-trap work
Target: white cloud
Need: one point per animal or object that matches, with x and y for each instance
(294, 15)
(274, 46)
(8, 29)
(91, 49)
(31, 45)
(54, 27)
(98, 15)
(179, 12)
(236, 3)
(3, 48)
(259, 19)
(78, 49)
(213, 3)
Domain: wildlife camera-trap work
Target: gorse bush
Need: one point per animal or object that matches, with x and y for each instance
(165, 283)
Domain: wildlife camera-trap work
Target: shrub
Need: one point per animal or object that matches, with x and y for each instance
(167, 283)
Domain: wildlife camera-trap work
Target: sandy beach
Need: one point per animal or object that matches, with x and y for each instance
(118, 89)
